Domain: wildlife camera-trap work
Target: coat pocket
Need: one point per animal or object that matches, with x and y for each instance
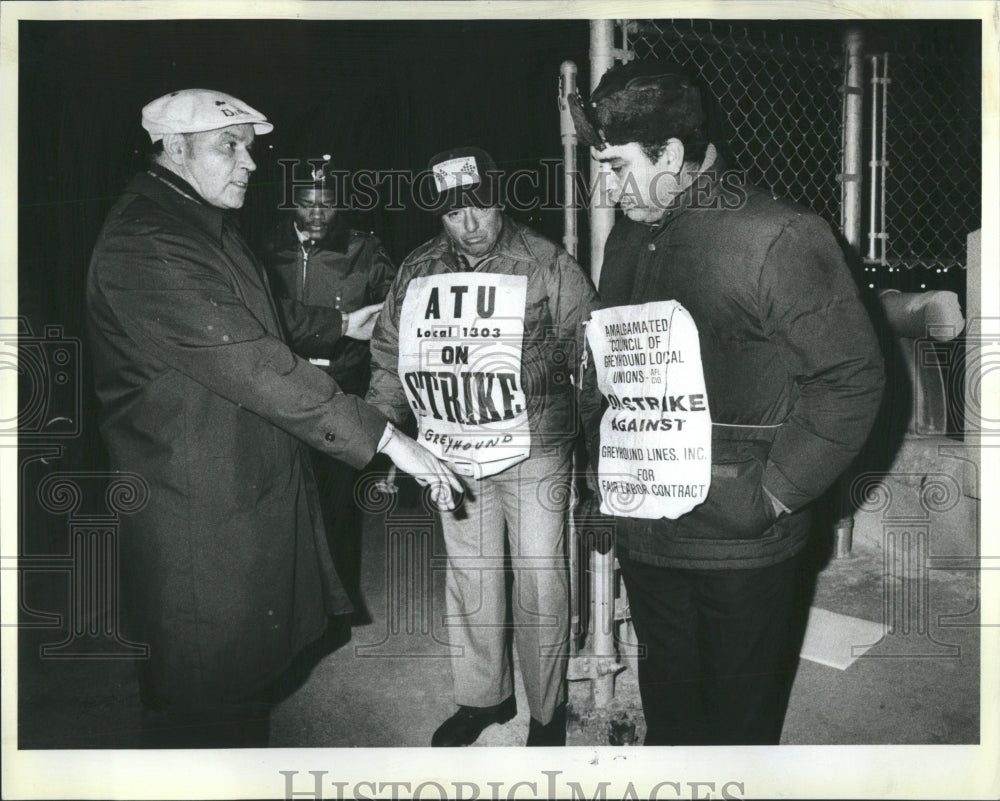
(736, 507)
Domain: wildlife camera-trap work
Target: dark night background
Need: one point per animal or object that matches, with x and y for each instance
(379, 96)
(384, 95)
(374, 95)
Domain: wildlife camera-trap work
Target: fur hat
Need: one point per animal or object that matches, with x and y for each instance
(642, 101)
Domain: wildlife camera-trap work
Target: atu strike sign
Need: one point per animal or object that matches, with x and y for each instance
(656, 434)
(460, 364)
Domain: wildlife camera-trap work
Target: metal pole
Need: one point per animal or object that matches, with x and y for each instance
(874, 161)
(567, 86)
(567, 131)
(850, 219)
(852, 137)
(603, 617)
(883, 233)
(602, 216)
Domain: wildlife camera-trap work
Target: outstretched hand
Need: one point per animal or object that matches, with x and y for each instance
(360, 323)
(427, 469)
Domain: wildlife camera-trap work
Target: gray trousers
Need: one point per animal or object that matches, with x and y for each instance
(527, 504)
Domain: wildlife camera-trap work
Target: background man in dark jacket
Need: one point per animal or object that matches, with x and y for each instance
(225, 570)
(792, 379)
(314, 258)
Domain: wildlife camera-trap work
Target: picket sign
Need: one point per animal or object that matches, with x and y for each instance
(656, 434)
(460, 364)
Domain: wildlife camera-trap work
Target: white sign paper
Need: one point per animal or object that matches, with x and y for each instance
(656, 435)
(460, 340)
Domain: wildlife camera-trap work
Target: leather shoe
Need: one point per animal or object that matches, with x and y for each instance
(465, 726)
(552, 733)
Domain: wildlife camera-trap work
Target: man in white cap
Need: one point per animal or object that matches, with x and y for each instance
(478, 338)
(225, 571)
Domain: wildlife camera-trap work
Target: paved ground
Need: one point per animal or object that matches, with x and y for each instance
(390, 684)
(918, 685)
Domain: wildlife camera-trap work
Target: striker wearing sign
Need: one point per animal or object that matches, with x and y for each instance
(793, 379)
(477, 339)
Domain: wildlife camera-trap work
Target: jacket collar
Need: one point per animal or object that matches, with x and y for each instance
(511, 244)
(703, 190)
(336, 238)
(170, 190)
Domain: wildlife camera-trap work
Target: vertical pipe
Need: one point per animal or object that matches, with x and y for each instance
(602, 217)
(852, 138)
(567, 132)
(883, 233)
(873, 163)
(567, 86)
(852, 170)
(973, 340)
(603, 605)
(573, 546)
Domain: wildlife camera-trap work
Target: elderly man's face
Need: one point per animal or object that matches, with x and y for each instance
(314, 211)
(642, 188)
(473, 230)
(218, 164)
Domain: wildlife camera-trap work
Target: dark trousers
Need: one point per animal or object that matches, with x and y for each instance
(720, 650)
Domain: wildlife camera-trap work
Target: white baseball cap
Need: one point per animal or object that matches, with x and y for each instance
(195, 110)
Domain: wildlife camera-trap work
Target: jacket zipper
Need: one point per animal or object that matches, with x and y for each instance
(305, 269)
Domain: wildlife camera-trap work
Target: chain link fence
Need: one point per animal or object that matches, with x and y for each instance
(933, 141)
(779, 84)
(779, 91)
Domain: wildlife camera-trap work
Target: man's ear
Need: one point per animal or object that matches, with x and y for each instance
(672, 157)
(174, 147)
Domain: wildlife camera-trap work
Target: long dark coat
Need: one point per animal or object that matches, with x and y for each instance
(226, 574)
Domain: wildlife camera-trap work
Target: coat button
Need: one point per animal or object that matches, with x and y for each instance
(330, 436)
(652, 246)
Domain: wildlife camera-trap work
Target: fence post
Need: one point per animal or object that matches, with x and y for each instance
(877, 235)
(602, 218)
(567, 132)
(602, 215)
(567, 86)
(851, 174)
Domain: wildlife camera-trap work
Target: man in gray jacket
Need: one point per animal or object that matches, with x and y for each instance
(478, 338)
(771, 348)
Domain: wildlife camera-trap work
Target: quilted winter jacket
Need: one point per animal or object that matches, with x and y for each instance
(792, 367)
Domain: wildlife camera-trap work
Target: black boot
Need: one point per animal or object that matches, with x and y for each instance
(552, 733)
(465, 726)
